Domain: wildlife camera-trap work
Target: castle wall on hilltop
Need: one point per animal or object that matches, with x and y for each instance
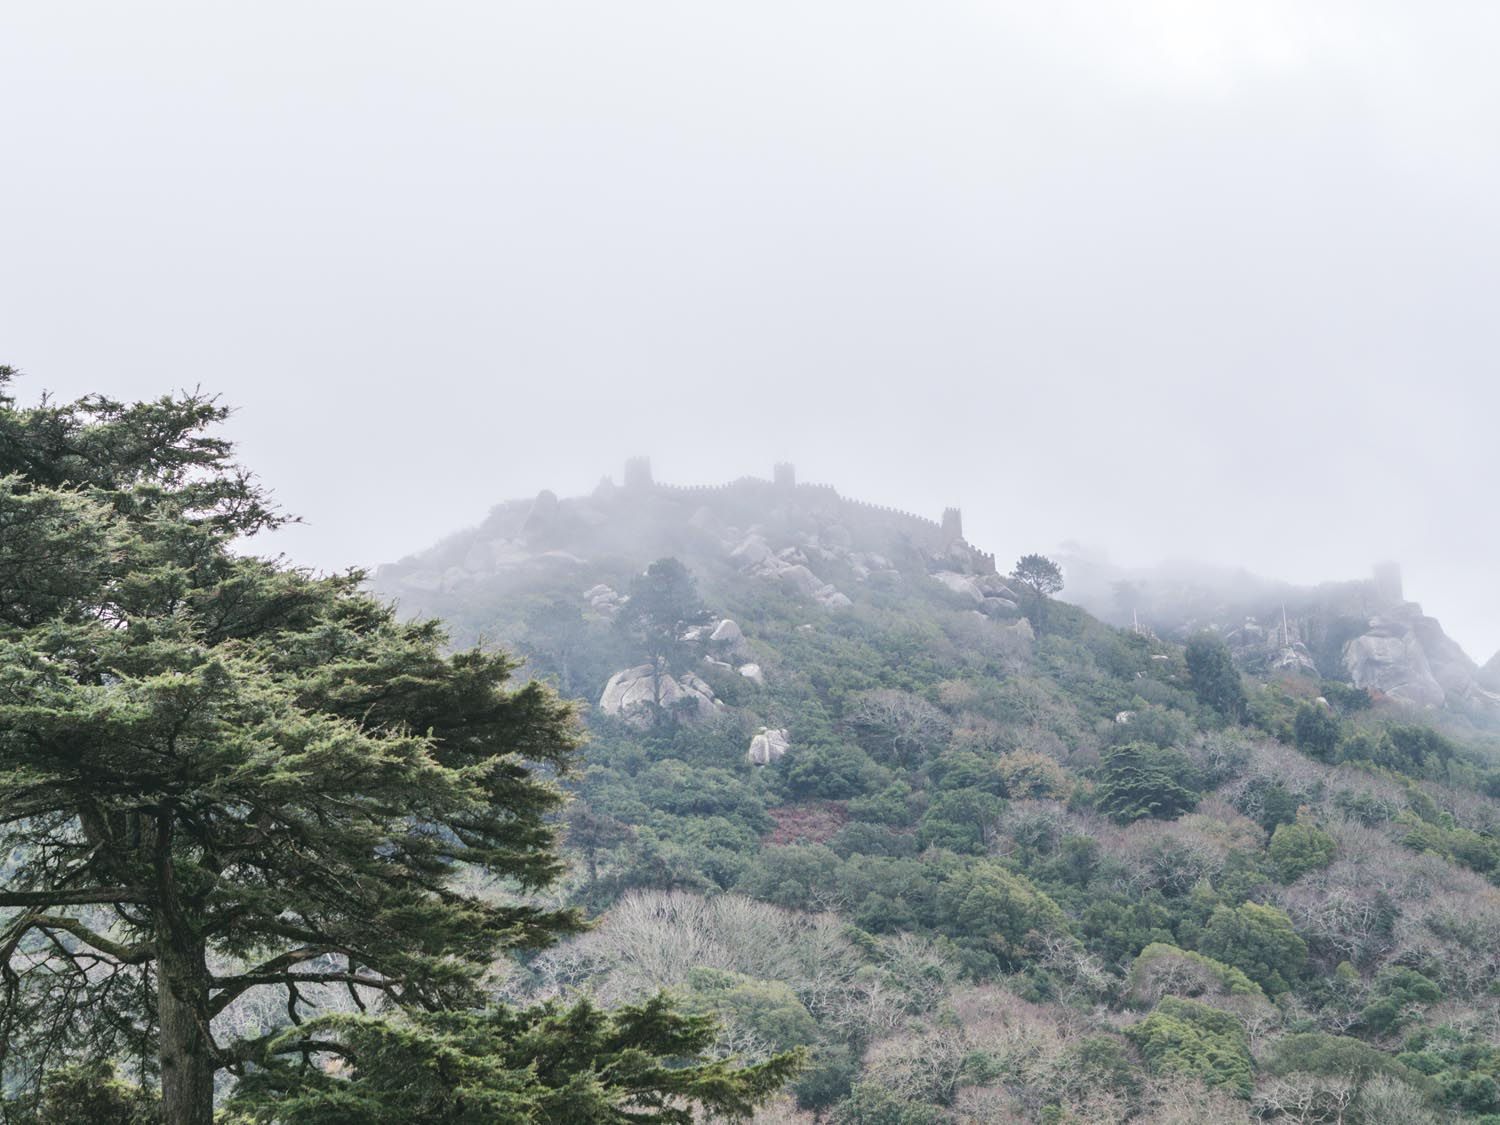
(936, 537)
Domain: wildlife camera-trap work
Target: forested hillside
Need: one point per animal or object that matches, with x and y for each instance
(984, 857)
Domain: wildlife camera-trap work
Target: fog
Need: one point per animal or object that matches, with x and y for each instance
(1187, 279)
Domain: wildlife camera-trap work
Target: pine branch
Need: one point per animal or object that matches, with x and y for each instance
(137, 954)
(103, 896)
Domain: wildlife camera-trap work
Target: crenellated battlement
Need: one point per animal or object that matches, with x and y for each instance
(924, 523)
(708, 489)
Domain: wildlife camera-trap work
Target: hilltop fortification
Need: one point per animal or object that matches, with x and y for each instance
(809, 537)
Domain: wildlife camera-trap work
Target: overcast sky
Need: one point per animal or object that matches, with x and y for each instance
(1171, 278)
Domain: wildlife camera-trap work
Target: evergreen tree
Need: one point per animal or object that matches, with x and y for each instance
(224, 781)
(1140, 780)
(547, 1065)
(1316, 731)
(1216, 681)
(1042, 577)
(663, 603)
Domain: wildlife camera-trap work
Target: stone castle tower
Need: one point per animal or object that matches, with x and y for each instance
(953, 523)
(638, 474)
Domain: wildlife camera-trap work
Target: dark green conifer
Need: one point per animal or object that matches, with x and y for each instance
(223, 777)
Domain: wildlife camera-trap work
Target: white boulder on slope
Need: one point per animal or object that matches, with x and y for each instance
(768, 746)
(633, 694)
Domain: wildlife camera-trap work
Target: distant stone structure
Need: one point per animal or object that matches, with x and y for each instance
(953, 523)
(638, 474)
(937, 537)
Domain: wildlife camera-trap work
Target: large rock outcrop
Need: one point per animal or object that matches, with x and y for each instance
(634, 695)
(768, 746)
(1489, 675)
(789, 567)
(1389, 659)
(988, 591)
(1406, 655)
(1363, 630)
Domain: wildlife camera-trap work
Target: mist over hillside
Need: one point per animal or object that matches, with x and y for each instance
(1150, 809)
(367, 759)
(834, 552)
(1362, 630)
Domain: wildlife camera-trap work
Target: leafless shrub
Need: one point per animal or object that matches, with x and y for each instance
(1172, 1099)
(1305, 1097)
(919, 1068)
(897, 725)
(1389, 1101)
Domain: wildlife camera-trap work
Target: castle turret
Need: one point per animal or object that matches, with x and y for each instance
(953, 524)
(638, 474)
(785, 475)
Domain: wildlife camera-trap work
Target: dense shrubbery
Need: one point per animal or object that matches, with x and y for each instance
(1270, 895)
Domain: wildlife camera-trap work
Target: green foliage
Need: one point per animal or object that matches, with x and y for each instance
(1186, 1037)
(1414, 751)
(84, 1094)
(828, 771)
(961, 820)
(827, 1078)
(1461, 1063)
(767, 1009)
(800, 876)
(546, 1065)
(1140, 780)
(1346, 698)
(1042, 577)
(892, 805)
(946, 766)
(206, 753)
(1317, 732)
(870, 1104)
(1278, 806)
(1258, 940)
(1191, 973)
(1004, 914)
(1365, 807)
(1215, 679)
(956, 770)
(1104, 1063)
(1400, 993)
(663, 602)
(1296, 849)
(1330, 1056)
(1460, 845)
(1029, 775)
(211, 759)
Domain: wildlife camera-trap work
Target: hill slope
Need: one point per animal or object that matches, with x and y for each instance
(985, 856)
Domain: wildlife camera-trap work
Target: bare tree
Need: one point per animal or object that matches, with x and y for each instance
(898, 725)
(1306, 1097)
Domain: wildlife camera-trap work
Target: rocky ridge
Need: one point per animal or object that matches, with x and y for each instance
(1364, 631)
(807, 538)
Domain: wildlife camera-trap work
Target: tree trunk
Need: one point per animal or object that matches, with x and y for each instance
(187, 1055)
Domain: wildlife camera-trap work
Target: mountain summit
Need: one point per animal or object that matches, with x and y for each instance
(808, 538)
(833, 552)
